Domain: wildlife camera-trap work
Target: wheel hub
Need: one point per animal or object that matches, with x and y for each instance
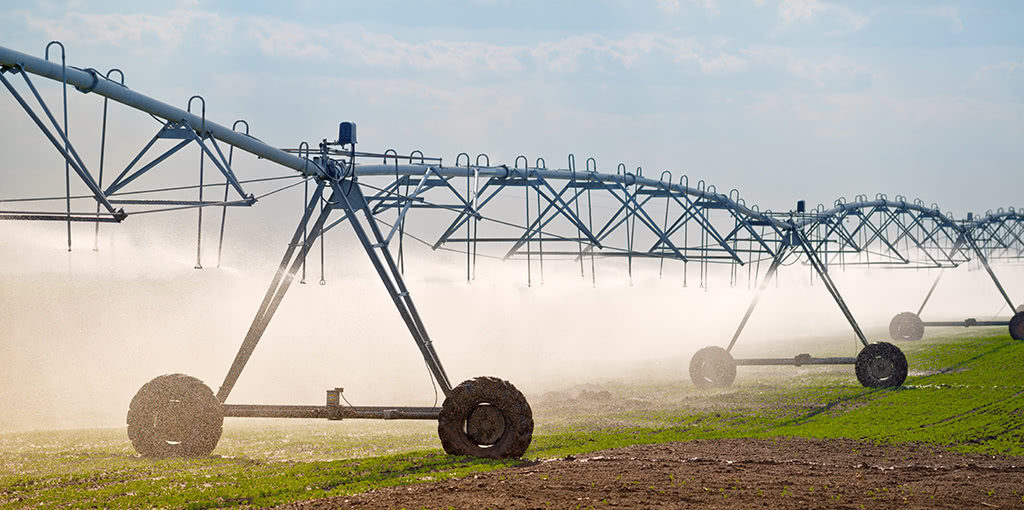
(485, 425)
(171, 421)
(881, 368)
(715, 371)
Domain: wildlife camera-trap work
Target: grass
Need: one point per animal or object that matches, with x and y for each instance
(965, 392)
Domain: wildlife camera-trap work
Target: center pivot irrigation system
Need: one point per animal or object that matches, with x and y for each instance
(524, 211)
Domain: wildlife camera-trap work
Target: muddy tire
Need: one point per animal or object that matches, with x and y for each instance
(1017, 326)
(175, 415)
(881, 365)
(906, 326)
(712, 367)
(486, 417)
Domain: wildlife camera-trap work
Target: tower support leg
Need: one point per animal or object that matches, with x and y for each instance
(349, 196)
(930, 291)
(988, 268)
(819, 267)
(768, 275)
(290, 265)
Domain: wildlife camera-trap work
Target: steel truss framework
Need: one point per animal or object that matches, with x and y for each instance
(523, 211)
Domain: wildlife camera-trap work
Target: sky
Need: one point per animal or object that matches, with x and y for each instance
(783, 100)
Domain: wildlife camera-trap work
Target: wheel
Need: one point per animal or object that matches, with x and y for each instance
(486, 417)
(712, 366)
(175, 415)
(1017, 326)
(906, 326)
(881, 365)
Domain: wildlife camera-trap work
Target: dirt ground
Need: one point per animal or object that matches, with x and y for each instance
(741, 473)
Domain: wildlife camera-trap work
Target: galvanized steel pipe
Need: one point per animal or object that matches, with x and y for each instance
(90, 80)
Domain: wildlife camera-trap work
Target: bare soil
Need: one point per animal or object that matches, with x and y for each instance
(735, 473)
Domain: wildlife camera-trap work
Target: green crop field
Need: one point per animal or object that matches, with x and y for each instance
(965, 392)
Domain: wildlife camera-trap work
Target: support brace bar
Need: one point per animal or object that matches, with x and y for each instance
(964, 323)
(803, 359)
(331, 412)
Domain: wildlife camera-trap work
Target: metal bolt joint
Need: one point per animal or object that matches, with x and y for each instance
(95, 81)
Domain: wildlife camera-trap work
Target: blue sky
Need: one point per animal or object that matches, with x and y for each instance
(781, 99)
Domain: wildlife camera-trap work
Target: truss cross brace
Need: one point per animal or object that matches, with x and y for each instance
(67, 151)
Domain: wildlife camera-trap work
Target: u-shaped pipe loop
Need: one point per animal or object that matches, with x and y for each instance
(120, 75)
(202, 128)
(63, 53)
(234, 127)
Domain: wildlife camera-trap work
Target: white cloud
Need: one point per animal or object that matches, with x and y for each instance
(709, 6)
(283, 39)
(948, 12)
(669, 7)
(359, 46)
(129, 30)
(822, 71)
(1005, 67)
(793, 12)
(831, 70)
(852, 108)
(672, 7)
(112, 28)
(434, 55)
(563, 55)
(568, 54)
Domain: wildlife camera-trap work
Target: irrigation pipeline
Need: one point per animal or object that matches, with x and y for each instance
(578, 214)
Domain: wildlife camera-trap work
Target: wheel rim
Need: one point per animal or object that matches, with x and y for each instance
(485, 425)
